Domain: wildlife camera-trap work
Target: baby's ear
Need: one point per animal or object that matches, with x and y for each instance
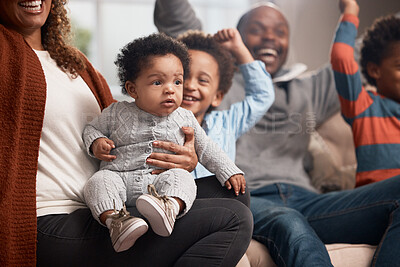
(131, 89)
(217, 99)
(373, 70)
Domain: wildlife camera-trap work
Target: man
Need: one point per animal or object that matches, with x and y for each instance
(291, 218)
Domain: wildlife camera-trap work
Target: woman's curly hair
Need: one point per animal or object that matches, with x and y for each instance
(56, 33)
(377, 41)
(135, 55)
(198, 40)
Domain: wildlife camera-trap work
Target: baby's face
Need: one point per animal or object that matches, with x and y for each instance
(159, 87)
(388, 73)
(201, 87)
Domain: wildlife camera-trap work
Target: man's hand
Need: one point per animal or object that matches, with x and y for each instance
(237, 182)
(101, 149)
(184, 158)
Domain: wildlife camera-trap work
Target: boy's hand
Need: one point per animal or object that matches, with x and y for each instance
(349, 7)
(101, 149)
(237, 182)
(231, 40)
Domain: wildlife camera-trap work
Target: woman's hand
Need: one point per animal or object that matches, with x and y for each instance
(101, 149)
(237, 182)
(184, 158)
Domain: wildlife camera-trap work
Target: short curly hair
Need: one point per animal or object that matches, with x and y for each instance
(134, 56)
(198, 40)
(376, 42)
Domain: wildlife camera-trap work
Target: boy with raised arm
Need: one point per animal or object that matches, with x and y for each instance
(373, 116)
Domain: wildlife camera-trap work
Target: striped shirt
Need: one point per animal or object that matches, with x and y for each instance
(374, 118)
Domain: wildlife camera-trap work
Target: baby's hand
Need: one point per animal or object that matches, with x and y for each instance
(101, 149)
(231, 40)
(238, 183)
(349, 7)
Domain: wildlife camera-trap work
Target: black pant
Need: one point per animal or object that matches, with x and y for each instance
(209, 187)
(215, 232)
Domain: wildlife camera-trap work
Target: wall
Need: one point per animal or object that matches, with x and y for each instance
(313, 23)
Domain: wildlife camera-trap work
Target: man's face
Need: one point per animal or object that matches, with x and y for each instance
(266, 34)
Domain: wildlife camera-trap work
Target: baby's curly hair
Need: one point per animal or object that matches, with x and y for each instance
(56, 36)
(376, 42)
(134, 56)
(198, 40)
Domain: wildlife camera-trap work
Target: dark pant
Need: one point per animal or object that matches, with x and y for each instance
(209, 187)
(215, 232)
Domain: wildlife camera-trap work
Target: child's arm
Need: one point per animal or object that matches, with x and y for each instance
(349, 7)
(237, 182)
(101, 149)
(95, 135)
(258, 84)
(215, 159)
(354, 99)
(231, 40)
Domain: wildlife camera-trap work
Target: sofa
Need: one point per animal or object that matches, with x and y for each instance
(333, 168)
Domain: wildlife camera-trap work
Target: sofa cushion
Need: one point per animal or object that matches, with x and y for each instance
(333, 155)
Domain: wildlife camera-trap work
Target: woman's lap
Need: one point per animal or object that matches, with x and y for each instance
(209, 187)
(212, 231)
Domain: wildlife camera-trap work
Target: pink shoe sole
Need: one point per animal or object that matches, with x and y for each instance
(155, 214)
(128, 238)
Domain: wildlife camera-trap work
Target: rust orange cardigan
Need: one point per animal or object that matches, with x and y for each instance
(22, 104)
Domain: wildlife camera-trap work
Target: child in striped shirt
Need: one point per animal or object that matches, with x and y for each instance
(373, 116)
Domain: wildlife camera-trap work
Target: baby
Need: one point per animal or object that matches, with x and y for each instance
(152, 71)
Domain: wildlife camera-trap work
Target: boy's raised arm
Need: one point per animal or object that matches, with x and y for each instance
(349, 7)
(231, 40)
(258, 84)
(354, 99)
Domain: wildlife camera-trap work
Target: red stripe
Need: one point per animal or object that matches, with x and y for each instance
(343, 59)
(367, 177)
(351, 18)
(376, 130)
(351, 109)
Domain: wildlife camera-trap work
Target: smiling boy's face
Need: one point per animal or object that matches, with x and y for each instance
(158, 89)
(201, 87)
(387, 73)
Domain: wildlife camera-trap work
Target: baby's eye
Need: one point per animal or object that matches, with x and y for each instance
(178, 82)
(156, 82)
(203, 80)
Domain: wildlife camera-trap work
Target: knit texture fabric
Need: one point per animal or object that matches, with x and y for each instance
(23, 98)
(133, 131)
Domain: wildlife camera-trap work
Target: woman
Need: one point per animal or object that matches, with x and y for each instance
(49, 91)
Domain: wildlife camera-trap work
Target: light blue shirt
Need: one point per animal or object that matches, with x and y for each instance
(226, 126)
